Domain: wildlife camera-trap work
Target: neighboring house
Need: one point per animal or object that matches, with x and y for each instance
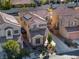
(35, 26)
(68, 22)
(9, 27)
(16, 2)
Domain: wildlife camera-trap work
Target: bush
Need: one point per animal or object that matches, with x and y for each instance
(6, 5)
(43, 2)
(14, 50)
(49, 38)
(25, 52)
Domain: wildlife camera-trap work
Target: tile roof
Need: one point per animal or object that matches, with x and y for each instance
(41, 12)
(8, 19)
(67, 13)
(62, 10)
(1, 20)
(37, 16)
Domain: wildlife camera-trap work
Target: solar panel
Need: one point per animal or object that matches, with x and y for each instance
(27, 17)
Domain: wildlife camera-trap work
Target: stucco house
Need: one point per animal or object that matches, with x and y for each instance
(34, 25)
(9, 27)
(68, 22)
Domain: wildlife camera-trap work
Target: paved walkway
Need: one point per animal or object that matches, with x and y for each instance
(63, 57)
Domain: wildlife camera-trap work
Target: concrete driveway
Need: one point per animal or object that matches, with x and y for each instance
(63, 49)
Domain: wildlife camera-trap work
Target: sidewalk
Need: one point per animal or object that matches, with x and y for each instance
(63, 57)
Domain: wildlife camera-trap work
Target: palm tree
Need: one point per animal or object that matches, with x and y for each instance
(53, 19)
(49, 38)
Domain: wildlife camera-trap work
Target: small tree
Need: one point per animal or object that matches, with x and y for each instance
(6, 4)
(43, 2)
(49, 38)
(12, 48)
(33, 4)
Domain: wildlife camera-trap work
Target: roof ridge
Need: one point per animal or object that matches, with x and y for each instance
(6, 20)
(38, 16)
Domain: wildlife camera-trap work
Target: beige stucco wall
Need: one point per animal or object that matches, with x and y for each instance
(5, 25)
(34, 40)
(69, 35)
(66, 21)
(73, 35)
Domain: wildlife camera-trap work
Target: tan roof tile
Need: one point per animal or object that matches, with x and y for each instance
(65, 11)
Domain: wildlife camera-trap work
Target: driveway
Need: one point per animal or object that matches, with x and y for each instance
(61, 47)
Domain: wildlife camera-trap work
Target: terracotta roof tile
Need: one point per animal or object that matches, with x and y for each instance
(65, 11)
(8, 19)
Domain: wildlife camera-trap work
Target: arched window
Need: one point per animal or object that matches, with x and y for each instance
(9, 34)
(37, 40)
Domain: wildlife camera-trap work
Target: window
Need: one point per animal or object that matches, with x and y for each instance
(16, 32)
(9, 34)
(34, 26)
(37, 40)
(74, 23)
(42, 25)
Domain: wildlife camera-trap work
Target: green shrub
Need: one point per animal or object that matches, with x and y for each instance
(5, 4)
(43, 2)
(49, 38)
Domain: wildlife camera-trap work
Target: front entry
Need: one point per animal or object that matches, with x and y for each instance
(9, 34)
